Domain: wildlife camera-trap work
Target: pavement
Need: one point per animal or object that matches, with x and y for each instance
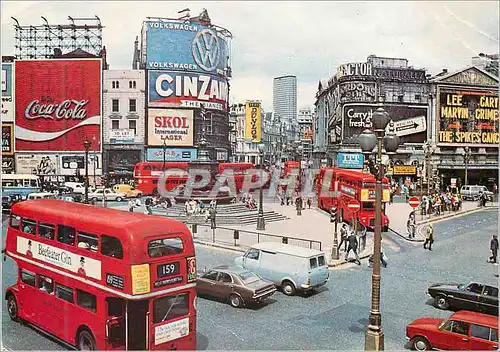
(336, 316)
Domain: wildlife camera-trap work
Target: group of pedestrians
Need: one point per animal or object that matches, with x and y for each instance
(438, 203)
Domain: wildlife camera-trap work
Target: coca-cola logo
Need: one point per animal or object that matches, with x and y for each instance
(67, 109)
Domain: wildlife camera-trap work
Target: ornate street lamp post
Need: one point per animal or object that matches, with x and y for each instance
(467, 156)
(164, 153)
(429, 149)
(368, 140)
(261, 223)
(86, 145)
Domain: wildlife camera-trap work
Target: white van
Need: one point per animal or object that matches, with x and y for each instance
(290, 267)
(76, 187)
(40, 195)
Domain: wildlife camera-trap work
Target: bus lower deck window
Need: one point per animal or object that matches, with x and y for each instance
(28, 226)
(65, 293)
(46, 231)
(28, 277)
(165, 246)
(86, 300)
(45, 284)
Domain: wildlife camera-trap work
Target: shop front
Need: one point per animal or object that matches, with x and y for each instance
(120, 165)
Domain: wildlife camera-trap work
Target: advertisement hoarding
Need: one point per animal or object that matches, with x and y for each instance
(357, 117)
(121, 136)
(7, 138)
(171, 154)
(467, 117)
(7, 93)
(253, 121)
(350, 160)
(187, 90)
(180, 46)
(58, 104)
(404, 170)
(8, 164)
(70, 163)
(173, 126)
(37, 164)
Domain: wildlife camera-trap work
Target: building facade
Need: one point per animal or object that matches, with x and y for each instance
(123, 121)
(285, 97)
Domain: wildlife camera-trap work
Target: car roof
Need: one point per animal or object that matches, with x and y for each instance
(287, 249)
(475, 317)
(234, 269)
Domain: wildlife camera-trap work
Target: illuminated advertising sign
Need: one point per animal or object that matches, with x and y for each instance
(179, 46)
(253, 121)
(355, 69)
(37, 164)
(170, 126)
(171, 154)
(187, 90)
(409, 121)
(400, 74)
(468, 117)
(7, 139)
(357, 91)
(58, 104)
(350, 160)
(7, 93)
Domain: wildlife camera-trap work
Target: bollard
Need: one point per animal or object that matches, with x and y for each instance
(213, 235)
(194, 228)
(236, 236)
(284, 240)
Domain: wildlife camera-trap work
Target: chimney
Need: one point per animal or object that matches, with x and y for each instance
(135, 59)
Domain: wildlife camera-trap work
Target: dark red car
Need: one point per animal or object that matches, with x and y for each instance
(463, 330)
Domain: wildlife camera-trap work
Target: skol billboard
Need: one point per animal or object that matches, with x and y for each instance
(179, 46)
(7, 93)
(187, 90)
(171, 127)
(253, 121)
(468, 117)
(58, 104)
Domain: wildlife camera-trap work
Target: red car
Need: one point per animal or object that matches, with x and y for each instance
(463, 330)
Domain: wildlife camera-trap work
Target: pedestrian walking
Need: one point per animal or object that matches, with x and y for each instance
(309, 202)
(149, 205)
(298, 205)
(353, 245)
(410, 225)
(343, 236)
(383, 260)
(429, 237)
(212, 213)
(131, 204)
(494, 250)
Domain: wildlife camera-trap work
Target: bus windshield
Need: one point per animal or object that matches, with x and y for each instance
(170, 307)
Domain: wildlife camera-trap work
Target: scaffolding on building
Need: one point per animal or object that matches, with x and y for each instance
(48, 41)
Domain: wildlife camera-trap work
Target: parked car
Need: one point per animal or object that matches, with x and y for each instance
(472, 192)
(98, 194)
(473, 296)
(233, 283)
(289, 267)
(129, 191)
(40, 195)
(9, 201)
(463, 330)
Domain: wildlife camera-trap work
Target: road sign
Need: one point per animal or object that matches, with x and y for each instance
(414, 202)
(353, 206)
(409, 126)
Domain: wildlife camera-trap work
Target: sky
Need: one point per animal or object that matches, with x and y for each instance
(306, 39)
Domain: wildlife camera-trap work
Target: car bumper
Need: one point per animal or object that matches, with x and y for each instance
(312, 287)
(263, 295)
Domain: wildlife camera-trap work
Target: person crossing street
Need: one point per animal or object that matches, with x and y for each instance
(353, 245)
(429, 237)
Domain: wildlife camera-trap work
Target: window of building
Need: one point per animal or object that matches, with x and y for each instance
(111, 247)
(134, 84)
(66, 234)
(117, 84)
(87, 241)
(113, 84)
(28, 277)
(65, 293)
(208, 124)
(115, 124)
(130, 84)
(46, 231)
(132, 124)
(132, 105)
(401, 98)
(86, 300)
(417, 96)
(115, 105)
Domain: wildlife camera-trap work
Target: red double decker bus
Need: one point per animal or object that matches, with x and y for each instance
(351, 184)
(147, 174)
(240, 170)
(102, 279)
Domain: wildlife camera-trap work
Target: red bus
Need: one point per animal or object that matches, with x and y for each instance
(352, 184)
(102, 279)
(147, 174)
(239, 172)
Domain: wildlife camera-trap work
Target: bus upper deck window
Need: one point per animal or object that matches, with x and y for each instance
(164, 247)
(66, 234)
(46, 231)
(87, 241)
(28, 226)
(111, 247)
(15, 221)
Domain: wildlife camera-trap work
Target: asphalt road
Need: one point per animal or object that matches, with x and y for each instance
(336, 317)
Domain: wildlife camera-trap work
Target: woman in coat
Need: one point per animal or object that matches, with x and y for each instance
(429, 237)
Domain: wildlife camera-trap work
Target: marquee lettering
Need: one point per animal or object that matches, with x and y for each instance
(67, 109)
(171, 121)
(201, 87)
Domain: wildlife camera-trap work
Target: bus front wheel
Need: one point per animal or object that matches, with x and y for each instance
(12, 307)
(85, 341)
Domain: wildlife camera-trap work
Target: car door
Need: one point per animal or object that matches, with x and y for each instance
(488, 300)
(479, 338)
(206, 284)
(109, 194)
(98, 193)
(469, 299)
(224, 285)
(251, 259)
(454, 336)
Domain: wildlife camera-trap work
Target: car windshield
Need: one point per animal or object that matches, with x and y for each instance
(248, 277)
(462, 286)
(442, 323)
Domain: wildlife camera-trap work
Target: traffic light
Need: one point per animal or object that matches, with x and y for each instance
(333, 214)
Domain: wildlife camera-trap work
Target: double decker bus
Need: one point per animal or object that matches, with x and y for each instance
(147, 174)
(351, 184)
(239, 172)
(102, 279)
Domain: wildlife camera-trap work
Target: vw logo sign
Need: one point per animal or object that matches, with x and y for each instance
(205, 49)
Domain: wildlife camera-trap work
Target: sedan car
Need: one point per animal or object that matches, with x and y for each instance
(461, 331)
(98, 194)
(236, 284)
(129, 191)
(9, 201)
(474, 296)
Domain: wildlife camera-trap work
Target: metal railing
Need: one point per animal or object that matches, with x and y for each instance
(258, 236)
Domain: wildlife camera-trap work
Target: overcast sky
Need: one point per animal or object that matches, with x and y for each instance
(306, 39)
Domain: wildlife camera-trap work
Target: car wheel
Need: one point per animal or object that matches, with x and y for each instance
(94, 199)
(420, 343)
(442, 302)
(236, 301)
(288, 288)
(86, 341)
(119, 199)
(12, 307)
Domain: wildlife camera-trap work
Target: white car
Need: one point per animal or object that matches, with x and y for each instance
(76, 187)
(108, 193)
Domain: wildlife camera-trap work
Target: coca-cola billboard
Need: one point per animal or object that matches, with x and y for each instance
(58, 105)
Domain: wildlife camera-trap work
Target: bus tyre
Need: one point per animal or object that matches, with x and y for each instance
(288, 288)
(12, 307)
(236, 301)
(85, 341)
